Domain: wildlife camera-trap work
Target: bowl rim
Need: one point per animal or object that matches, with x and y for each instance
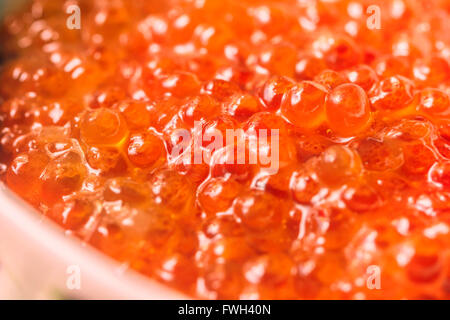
(106, 275)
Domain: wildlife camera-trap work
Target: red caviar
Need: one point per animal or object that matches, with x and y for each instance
(89, 134)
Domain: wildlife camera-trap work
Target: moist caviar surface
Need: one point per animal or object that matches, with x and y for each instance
(359, 207)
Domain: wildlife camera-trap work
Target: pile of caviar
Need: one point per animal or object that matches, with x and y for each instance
(360, 205)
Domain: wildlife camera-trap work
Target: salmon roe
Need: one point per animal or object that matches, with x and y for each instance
(90, 123)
